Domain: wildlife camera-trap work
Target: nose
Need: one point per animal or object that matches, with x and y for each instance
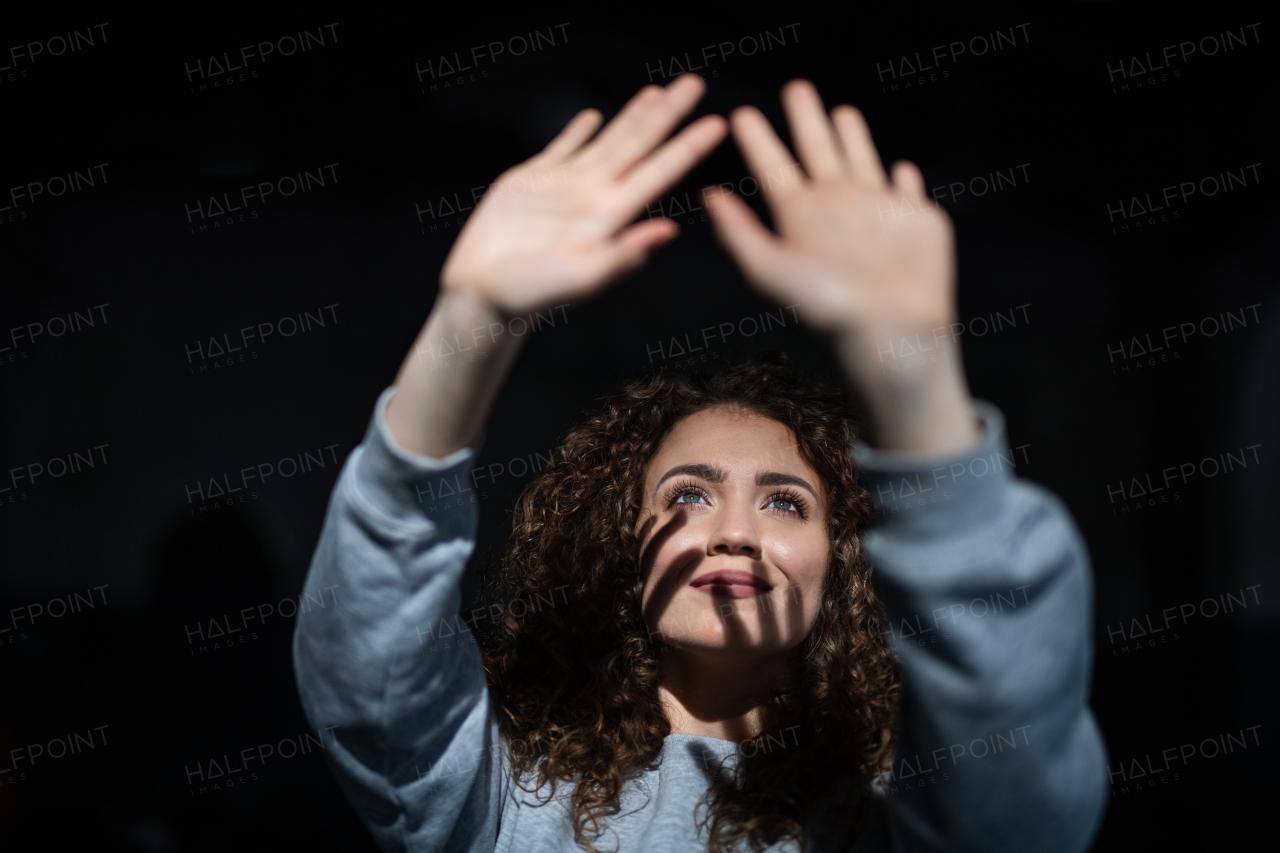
(735, 532)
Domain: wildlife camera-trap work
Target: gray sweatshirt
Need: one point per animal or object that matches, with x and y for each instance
(987, 585)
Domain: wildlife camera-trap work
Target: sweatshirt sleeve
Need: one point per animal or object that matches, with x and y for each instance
(988, 590)
(389, 662)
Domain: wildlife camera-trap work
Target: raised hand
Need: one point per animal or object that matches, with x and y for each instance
(865, 258)
(853, 249)
(555, 227)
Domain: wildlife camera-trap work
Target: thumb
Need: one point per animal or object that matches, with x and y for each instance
(906, 175)
(631, 248)
(752, 246)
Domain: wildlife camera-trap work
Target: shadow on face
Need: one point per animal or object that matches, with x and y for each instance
(734, 541)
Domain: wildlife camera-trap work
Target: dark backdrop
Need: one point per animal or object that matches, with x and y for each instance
(124, 405)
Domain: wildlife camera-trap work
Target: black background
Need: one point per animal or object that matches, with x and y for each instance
(157, 562)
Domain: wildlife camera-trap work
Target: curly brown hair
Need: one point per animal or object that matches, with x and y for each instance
(578, 686)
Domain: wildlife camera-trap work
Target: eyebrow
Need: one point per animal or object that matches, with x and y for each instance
(712, 474)
(773, 478)
(709, 473)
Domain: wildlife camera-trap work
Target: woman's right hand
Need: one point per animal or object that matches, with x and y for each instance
(551, 230)
(555, 228)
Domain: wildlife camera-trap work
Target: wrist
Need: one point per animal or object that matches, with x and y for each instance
(915, 393)
(448, 381)
(465, 321)
(467, 307)
(898, 356)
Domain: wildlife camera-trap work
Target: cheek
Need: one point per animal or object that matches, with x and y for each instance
(667, 555)
(801, 555)
(803, 559)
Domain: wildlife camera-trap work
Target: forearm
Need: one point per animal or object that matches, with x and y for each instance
(448, 382)
(987, 586)
(386, 659)
(920, 407)
(392, 557)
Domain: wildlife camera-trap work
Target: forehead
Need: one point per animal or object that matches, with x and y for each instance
(737, 441)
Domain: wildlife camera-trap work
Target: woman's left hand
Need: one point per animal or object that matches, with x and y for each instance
(856, 251)
(868, 259)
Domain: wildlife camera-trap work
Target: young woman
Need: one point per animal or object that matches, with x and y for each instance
(689, 652)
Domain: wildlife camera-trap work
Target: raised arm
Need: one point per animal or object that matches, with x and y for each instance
(552, 230)
(390, 663)
(868, 261)
(871, 261)
(987, 585)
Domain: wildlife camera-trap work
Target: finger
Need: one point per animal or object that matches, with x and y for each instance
(811, 131)
(907, 177)
(643, 123)
(771, 164)
(623, 123)
(570, 139)
(630, 249)
(753, 247)
(855, 139)
(769, 266)
(669, 164)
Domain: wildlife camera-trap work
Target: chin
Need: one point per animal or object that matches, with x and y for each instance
(714, 645)
(696, 635)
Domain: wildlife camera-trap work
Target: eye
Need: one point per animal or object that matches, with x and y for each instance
(685, 494)
(788, 503)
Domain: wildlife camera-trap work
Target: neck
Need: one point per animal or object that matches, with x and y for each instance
(721, 696)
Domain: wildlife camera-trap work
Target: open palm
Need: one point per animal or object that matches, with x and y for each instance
(854, 250)
(555, 227)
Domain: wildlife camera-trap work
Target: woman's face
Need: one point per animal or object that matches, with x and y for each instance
(733, 538)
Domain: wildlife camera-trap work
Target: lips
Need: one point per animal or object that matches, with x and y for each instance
(731, 583)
